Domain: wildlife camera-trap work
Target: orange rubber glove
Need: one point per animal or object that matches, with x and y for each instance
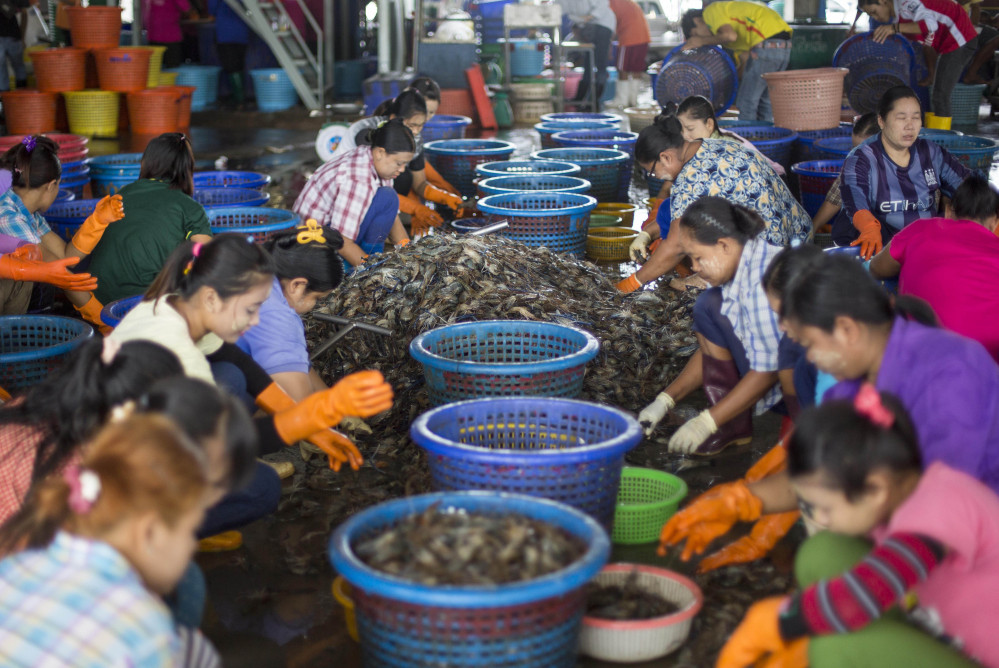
(106, 212)
(19, 267)
(774, 461)
(423, 219)
(709, 516)
(402, 242)
(756, 637)
(794, 655)
(360, 394)
(437, 196)
(761, 539)
(654, 210)
(630, 284)
(870, 234)
(434, 177)
(91, 312)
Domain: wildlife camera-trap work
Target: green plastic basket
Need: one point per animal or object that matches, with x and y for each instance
(605, 220)
(646, 499)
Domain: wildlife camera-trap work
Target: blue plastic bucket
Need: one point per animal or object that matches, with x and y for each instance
(274, 89)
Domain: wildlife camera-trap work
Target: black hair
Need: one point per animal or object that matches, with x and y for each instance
(170, 158)
(316, 261)
(230, 264)
(392, 136)
(70, 404)
(975, 199)
(687, 21)
(836, 286)
(663, 134)
(699, 108)
(892, 96)
(866, 125)
(846, 447)
(405, 105)
(710, 219)
(787, 266)
(197, 407)
(427, 87)
(34, 168)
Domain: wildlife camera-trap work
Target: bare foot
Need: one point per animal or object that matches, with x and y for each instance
(925, 82)
(973, 80)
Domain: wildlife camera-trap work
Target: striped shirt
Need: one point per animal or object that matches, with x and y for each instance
(79, 603)
(339, 193)
(17, 221)
(898, 195)
(943, 24)
(744, 303)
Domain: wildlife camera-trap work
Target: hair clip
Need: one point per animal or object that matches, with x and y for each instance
(195, 251)
(84, 488)
(29, 143)
(868, 404)
(109, 349)
(311, 231)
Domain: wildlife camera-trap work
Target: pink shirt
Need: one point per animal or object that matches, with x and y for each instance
(953, 265)
(162, 19)
(961, 593)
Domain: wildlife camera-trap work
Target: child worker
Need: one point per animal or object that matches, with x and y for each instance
(894, 533)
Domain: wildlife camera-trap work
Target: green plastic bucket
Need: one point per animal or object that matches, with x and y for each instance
(646, 499)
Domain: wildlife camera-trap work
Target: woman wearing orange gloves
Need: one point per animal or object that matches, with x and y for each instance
(21, 264)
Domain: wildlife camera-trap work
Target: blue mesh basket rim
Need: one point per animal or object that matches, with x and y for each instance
(258, 198)
(809, 137)
(575, 204)
(115, 160)
(608, 136)
(581, 115)
(210, 177)
(953, 143)
(54, 213)
(454, 147)
(494, 185)
(503, 167)
(551, 127)
(573, 576)
(81, 330)
(814, 167)
(469, 224)
(612, 448)
(732, 70)
(419, 352)
(850, 41)
(283, 219)
(835, 144)
(80, 180)
(611, 155)
(787, 135)
(446, 120)
(108, 316)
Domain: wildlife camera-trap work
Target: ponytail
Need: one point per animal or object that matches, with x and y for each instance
(170, 158)
(428, 88)
(230, 264)
(710, 219)
(405, 105)
(664, 134)
(33, 162)
(309, 252)
(392, 136)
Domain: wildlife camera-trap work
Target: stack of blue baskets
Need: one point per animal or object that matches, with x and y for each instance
(706, 70)
(110, 173)
(512, 167)
(498, 185)
(257, 222)
(65, 218)
(581, 116)
(804, 145)
(456, 159)
(547, 129)
(64, 196)
(252, 180)
(75, 176)
(874, 68)
(815, 177)
(273, 89)
(33, 346)
(973, 152)
(228, 197)
(616, 139)
(555, 220)
(608, 170)
(832, 148)
(205, 79)
(773, 142)
(444, 126)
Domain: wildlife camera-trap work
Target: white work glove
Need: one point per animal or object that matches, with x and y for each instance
(694, 432)
(639, 249)
(653, 414)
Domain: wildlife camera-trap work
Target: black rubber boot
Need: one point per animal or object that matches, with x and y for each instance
(719, 377)
(236, 83)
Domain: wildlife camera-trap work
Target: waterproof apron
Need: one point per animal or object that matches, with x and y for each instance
(377, 223)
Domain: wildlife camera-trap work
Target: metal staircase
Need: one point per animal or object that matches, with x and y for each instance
(305, 67)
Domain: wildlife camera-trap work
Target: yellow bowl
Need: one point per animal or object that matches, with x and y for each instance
(625, 211)
(341, 592)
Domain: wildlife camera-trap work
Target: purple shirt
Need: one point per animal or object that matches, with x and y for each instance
(950, 386)
(277, 342)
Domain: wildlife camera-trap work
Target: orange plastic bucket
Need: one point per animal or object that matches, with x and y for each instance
(184, 106)
(123, 69)
(60, 70)
(29, 112)
(153, 110)
(94, 27)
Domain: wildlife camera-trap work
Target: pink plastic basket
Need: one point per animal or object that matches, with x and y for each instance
(807, 99)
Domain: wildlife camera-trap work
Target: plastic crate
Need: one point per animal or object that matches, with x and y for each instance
(833, 148)
(33, 346)
(228, 197)
(973, 152)
(557, 221)
(498, 185)
(503, 358)
(511, 167)
(609, 243)
(273, 89)
(258, 222)
(547, 129)
(965, 103)
(532, 624)
(616, 139)
(252, 180)
(559, 449)
(806, 99)
(773, 142)
(596, 166)
(205, 79)
(804, 145)
(113, 313)
(456, 159)
(445, 126)
(815, 177)
(646, 499)
(66, 217)
(874, 68)
(706, 70)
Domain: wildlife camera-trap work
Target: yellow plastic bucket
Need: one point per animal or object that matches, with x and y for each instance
(167, 79)
(155, 66)
(92, 113)
(341, 592)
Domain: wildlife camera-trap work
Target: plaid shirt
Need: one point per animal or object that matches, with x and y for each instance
(340, 192)
(18, 444)
(16, 221)
(744, 303)
(79, 603)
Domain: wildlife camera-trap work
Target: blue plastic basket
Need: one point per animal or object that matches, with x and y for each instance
(526, 62)
(596, 166)
(511, 167)
(253, 180)
(562, 116)
(874, 68)
(75, 185)
(273, 89)
(497, 358)
(103, 184)
(616, 139)
(736, 123)
(518, 183)
(773, 142)
(205, 79)
(815, 177)
(654, 184)
(256, 221)
(532, 624)
(804, 145)
(116, 164)
(833, 148)
(890, 284)
(113, 313)
(456, 159)
(466, 225)
(64, 196)
(66, 217)
(73, 169)
(965, 103)
(973, 152)
(926, 132)
(706, 70)
(33, 346)
(225, 197)
(546, 130)
(557, 221)
(444, 126)
(559, 449)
